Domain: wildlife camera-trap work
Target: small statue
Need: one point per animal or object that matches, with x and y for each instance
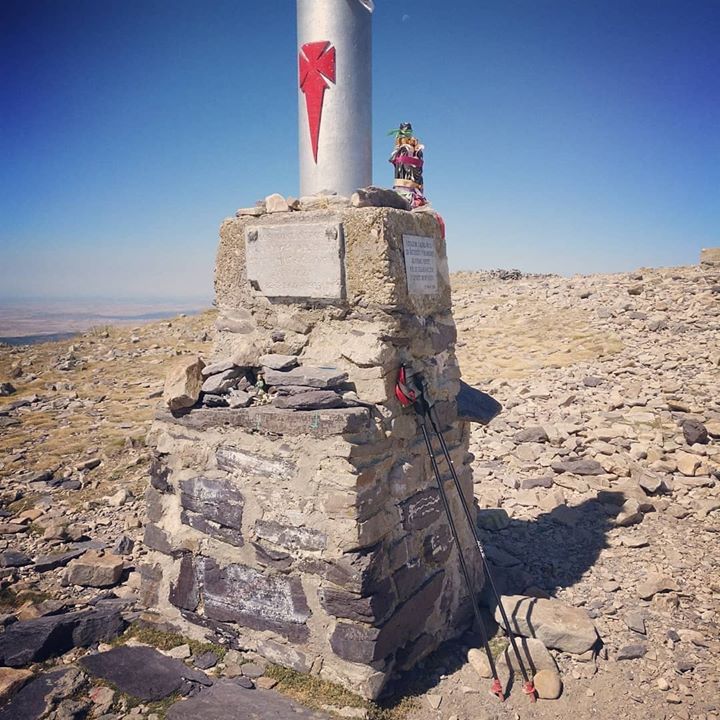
(407, 157)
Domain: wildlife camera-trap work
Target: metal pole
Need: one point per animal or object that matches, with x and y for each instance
(334, 95)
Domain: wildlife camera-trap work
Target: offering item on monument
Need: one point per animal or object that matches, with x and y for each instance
(407, 157)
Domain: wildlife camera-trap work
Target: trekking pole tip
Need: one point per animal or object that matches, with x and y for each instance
(529, 690)
(497, 690)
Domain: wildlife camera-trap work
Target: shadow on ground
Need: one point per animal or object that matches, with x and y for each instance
(535, 558)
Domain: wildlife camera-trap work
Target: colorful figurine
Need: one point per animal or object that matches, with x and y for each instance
(407, 157)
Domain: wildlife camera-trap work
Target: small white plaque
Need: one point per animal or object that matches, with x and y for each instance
(420, 265)
(296, 260)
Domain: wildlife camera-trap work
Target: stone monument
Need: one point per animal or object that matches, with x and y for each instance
(292, 510)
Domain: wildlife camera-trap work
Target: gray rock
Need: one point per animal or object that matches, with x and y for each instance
(220, 383)
(320, 377)
(214, 401)
(541, 482)
(183, 383)
(534, 434)
(310, 400)
(13, 558)
(372, 196)
(37, 640)
(238, 398)
(278, 362)
(53, 561)
(635, 620)
(654, 584)
(142, 671)
(548, 684)
(252, 670)
(557, 625)
(33, 701)
(226, 700)
(592, 381)
(579, 466)
(218, 367)
(632, 652)
(94, 570)
(695, 432)
(123, 545)
(206, 660)
(6, 389)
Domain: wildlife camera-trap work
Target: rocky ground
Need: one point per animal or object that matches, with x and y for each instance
(598, 485)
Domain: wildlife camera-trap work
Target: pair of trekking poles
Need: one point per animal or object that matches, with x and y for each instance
(415, 396)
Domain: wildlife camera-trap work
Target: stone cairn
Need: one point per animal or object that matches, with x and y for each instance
(292, 510)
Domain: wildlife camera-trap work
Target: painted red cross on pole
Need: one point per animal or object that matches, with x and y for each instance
(317, 71)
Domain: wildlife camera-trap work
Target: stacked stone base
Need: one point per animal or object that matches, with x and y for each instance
(317, 538)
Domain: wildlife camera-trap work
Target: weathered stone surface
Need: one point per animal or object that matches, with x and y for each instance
(310, 400)
(695, 432)
(290, 537)
(534, 434)
(37, 640)
(632, 652)
(142, 671)
(278, 362)
(315, 377)
(56, 560)
(548, 684)
(13, 558)
(183, 383)
(94, 570)
(218, 367)
(222, 382)
(557, 625)
(653, 584)
(687, 463)
(272, 420)
(155, 538)
(296, 260)
(579, 466)
(11, 680)
(247, 464)
(32, 701)
(421, 510)
(276, 203)
(373, 609)
(184, 592)
(239, 593)
(227, 700)
(365, 644)
(216, 500)
(372, 196)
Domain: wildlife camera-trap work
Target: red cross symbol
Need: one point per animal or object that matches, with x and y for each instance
(317, 67)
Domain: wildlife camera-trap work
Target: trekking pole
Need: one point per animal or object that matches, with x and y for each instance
(528, 687)
(407, 397)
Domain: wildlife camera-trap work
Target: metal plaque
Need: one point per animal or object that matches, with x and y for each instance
(299, 260)
(420, 265)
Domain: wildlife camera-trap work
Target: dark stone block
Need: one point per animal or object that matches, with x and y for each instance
(476, 406)
(157, 539)
(309, 400)
(359, 572)
(275, 559)
(373, 609)
(215, 499)
(355, 643)
(159, 473)
(372, 196)
(37, 640)
(241, 594)
(270, 420)
(184, 593)
(32, 701)
(363, 644)
(410, 577)
(415, 651)
(438, 545)
(421, 510)
(199, 523)
(142, 672)
(289, 537)
(443, 336)
(14, 558)
(153, 504)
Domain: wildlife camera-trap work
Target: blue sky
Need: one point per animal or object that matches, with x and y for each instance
(567, 136)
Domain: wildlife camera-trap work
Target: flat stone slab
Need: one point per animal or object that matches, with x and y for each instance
(315, 377)
(226, 700)
(275, 421)
(30, 703)
(142, 672)
(296, 260)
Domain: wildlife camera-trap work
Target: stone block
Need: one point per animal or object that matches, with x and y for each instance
(215, 500)
(183, 383)
(184, 592)
(421, 510)
(371, 609)
(246, 464)
(241, 594)
(290, 537)
(296, 260)
(312, 377)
